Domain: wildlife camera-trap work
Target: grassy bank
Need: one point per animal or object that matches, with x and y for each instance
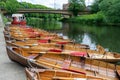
(96, 19)
(91, 19)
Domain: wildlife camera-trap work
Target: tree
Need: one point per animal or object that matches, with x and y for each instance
(111, 9)
(105, 4)
(2, 4)
(11, 6)
(113, 14)
(76, 5)
(95, 6)
(30, 5)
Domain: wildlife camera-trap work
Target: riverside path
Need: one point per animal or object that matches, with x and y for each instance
(8, 70)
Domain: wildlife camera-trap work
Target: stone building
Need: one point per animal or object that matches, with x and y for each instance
(66, 6)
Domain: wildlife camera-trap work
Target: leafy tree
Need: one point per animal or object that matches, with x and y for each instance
(2, 4)
(105, 4)
(95, 6)
(111, 9)
(113, 13)
(29, 5)
(11, 6)
(75, 6)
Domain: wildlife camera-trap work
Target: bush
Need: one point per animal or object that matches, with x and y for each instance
(97, 19)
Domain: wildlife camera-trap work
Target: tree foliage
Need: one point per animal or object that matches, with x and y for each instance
(29, 5)
(2, 4)
(105, 4)
(113, 14)
(95, 6)
(75, 6)
(3, 0)
(11, 6)
(111, 9)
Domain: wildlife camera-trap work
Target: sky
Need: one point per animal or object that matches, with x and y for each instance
(57, 4)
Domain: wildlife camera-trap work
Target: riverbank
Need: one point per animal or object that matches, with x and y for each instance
(91, 19)
(9, 70)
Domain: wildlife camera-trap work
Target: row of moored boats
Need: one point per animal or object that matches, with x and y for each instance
(48, 56)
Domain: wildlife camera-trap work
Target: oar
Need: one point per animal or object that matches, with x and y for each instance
(28, 44)
(63, 78)
(47, 52)
(49, 64)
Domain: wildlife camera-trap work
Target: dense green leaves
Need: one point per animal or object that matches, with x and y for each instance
(97, 19)
(29, 5)
(113, 13)
(3, 0)
(108, 8)
(2, 4)
(76, 6)
(111, 9)
(11, 6)
(105, 4)
(95, 6)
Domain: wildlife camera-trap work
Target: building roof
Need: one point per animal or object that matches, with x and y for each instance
(17, 15)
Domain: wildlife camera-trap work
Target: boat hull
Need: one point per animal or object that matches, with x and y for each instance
(22, 60)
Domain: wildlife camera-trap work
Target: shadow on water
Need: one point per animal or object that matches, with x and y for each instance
(106, 36)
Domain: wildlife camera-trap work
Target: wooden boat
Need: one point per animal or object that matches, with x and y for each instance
(118, 70)
(62, 61)
(101, 54)
(23, 33)
(18, 19)
(62, 45)
(68, 48)
(50, 74)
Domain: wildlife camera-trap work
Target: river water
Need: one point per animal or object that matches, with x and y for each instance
(106, 36)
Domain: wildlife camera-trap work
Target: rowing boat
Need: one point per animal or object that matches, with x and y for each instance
(101, 54)
(69, 48)
(50, 74)
(118, 70)
(64, 45)
(19, 33)
(62, 61)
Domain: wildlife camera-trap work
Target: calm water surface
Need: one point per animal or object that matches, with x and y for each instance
(108, 37)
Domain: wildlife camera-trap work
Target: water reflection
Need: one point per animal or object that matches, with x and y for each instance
(87, 40)
(108, 37)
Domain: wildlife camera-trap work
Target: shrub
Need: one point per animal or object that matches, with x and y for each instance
(97, 19)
